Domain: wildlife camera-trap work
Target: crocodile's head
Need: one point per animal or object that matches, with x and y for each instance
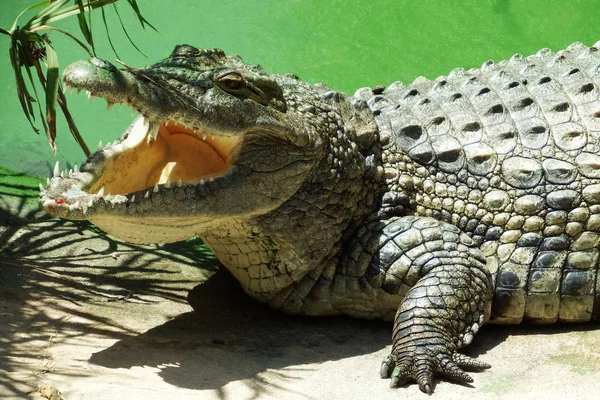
(216, 139)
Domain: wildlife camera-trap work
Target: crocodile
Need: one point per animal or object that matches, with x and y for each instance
(441, 205)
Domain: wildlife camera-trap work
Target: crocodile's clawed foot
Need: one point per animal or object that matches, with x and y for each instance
(421, 364)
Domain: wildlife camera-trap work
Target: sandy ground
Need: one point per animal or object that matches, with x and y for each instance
(96, 318)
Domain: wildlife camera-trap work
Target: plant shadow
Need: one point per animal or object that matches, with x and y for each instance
(59, 278)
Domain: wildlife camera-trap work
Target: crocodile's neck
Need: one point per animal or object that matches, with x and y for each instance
(272, 252)
(263, 265)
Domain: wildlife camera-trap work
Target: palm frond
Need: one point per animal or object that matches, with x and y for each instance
(83, 24)
(31, 49)
(52, 83)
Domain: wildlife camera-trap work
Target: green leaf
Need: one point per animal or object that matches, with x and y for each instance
(125, 31)
(89, 13)
(83, 25)
(136, 9)
(14, 26)
(108, 33)
(37, 98)
(54, 5)
(25, 98)
(52, 82)
(64, 13)
(52, 28)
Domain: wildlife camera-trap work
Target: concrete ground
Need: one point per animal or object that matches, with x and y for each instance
(95, 318)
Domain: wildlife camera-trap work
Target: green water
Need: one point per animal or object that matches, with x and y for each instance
(345, 44)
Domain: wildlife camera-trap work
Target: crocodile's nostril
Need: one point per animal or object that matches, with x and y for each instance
(98, 62)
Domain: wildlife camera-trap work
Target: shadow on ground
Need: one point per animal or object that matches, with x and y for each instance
(230, 337)
(57, 276)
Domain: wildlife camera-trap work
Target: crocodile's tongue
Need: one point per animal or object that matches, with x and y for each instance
(176, 154)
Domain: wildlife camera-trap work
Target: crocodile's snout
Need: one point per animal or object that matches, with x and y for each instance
(100, 78)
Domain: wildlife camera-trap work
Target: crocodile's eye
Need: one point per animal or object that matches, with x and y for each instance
(231, 82)
(184, 50)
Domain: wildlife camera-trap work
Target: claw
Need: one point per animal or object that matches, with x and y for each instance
(387, 366)
(424, 379)
(399, 375)
(396, 377)
(427, 389)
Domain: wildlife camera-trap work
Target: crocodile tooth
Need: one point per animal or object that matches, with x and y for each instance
(62, 174)
(153, 132)
(204, 135)
(108, 145)
(47, 181)
(132, 200)
(145, 119)
(48, 202)
(147, 195)
(90, 203)
(88, 93)
(76, 204)
(56, 170)
(78, 90)
(109, 105)
(100, 145)
(179, 183)
(75, 168)
(155, 190)
(42, 188)
(70, 172)
(202, 181)
(100, 192)
(211, 179)
(167, 184)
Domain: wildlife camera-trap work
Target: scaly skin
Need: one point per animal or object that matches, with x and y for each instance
(448, 203)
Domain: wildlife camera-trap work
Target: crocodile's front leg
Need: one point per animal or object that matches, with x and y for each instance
(444, 309)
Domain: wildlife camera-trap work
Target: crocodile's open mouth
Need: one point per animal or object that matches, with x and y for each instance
(157, 154)
(149, 158)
